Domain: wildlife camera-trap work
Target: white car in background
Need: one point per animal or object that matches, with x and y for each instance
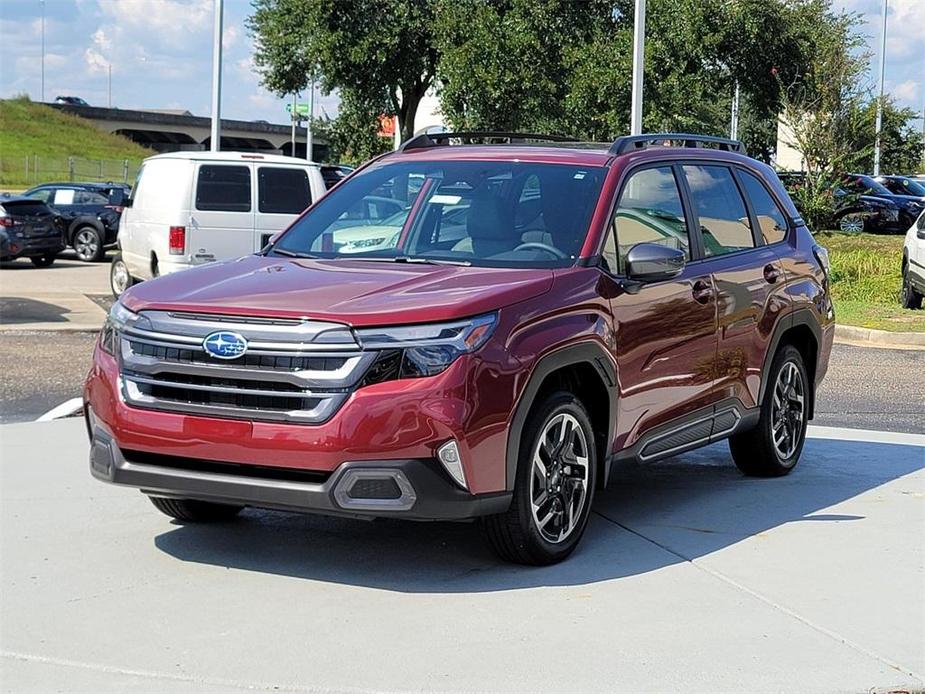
(913, 288)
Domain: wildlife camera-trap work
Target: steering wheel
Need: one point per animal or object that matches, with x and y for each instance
(542, 247)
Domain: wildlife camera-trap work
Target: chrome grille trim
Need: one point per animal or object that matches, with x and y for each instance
(164, 366)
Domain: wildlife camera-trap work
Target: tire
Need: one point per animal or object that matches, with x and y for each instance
(908, 296)
(119, 277)
(852, 223)
(767, 450)
(520, 534)
(88, 244)
(194, 511)
(46, 260)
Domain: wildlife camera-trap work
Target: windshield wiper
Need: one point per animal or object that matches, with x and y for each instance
(405, 259)
(291, 254)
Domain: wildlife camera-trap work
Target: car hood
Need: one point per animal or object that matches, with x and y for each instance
(348, 291)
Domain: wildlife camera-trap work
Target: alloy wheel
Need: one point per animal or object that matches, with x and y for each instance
(559, 478)
(86, 244)
(851, 223)
(120, 277)
(787, 411)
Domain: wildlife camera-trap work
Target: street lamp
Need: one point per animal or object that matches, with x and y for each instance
(880, 100)
(43, 51)
(639, 51)
(216, 134)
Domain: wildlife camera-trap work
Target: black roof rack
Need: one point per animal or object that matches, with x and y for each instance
(425, 140)
(630, 143)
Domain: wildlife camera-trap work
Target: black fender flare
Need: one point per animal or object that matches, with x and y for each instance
(84, 221)
(798, 317)
(585, 352)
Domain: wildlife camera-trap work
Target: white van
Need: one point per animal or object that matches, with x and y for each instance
(190, 208)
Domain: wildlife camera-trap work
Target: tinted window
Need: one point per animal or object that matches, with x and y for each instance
(331, 175)
(771, 221)
(224, 188)
(498, 214)
(43, 194)
(649, 211)
(90, 197)
(724, 223)
(282, 191)
(25, 208)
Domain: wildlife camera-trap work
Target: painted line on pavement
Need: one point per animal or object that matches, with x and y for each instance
(65, 409)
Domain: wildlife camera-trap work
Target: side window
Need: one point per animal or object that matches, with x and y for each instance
(649, 211)
(63, 196)
(282, 191)
(771, 221)
(223, 188)
(724, 221)
(90, 197)
(43, 194)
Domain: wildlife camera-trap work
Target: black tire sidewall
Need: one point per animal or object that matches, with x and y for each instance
(556, 404)
(788, 354)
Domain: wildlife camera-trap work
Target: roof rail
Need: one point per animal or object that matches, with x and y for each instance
(425, 140)
(629, 143)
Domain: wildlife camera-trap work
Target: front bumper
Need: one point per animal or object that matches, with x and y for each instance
(409, 489)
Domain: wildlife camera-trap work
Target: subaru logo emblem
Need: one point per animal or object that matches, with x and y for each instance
(225, 345)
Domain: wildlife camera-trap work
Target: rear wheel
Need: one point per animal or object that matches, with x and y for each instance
(119, 277)
(773, 447)
(852, 223)
(43, 260)
(88, 244)
(195, 511)
(553, 489)
(908, 296)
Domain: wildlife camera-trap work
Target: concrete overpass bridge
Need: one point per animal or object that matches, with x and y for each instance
(172, 131)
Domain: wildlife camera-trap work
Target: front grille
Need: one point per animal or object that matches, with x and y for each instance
(296, 371)
(177, 462)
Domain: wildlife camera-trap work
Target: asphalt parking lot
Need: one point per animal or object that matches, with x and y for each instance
(691, 578)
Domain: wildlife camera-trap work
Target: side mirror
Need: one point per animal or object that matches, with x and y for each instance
(651, 262)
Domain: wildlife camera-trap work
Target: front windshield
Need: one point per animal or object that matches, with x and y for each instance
(864, 185)
(492, 214)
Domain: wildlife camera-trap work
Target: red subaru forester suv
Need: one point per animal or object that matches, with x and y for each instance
(461, 331)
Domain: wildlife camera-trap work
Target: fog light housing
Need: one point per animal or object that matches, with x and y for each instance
(448, 455)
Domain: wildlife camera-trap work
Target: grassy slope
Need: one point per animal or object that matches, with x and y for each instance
(28, 129)
(865, 281)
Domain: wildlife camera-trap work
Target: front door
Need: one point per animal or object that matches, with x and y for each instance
(665, 334)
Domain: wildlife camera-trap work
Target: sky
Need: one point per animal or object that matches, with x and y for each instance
(161, 55)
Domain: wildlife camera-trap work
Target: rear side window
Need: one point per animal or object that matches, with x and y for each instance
(771, 221)
(90, 197)
(724, 221)
(282, 191)
(649, 211)
(223, 188)
(63, 196)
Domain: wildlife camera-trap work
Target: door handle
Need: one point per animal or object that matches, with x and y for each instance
(771, 273)
(702, 291)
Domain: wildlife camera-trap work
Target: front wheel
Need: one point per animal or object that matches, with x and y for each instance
(554, 486)
(851, 223)
(194, 511)
(908, 296)
(88, 245)
(43, 260)
(773, 447)
(119, 277)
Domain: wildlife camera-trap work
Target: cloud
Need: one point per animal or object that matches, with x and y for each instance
(907, 91)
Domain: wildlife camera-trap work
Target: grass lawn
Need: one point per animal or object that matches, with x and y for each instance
(865, 281)
(28, 130)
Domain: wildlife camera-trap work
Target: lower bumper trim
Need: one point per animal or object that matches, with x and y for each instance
(427, 492)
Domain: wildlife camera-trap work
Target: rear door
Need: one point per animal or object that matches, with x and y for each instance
(665, 334)
(222, 219)
(746, 271)
(283, 193)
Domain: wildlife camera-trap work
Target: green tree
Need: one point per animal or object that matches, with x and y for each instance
(901, 144)
(382, 58)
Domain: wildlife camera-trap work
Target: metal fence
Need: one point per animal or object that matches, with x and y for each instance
(31, 170)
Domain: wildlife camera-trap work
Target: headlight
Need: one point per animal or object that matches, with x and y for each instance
(412, 351)
(119, 317)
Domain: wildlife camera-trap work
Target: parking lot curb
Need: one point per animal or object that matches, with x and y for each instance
(886, 339)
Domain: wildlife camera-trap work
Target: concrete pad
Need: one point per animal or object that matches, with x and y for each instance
(50, 311)
(691, 578)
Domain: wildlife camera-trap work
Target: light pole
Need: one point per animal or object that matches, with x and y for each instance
(110, 85)
(639, 50)
(295, 119)
(43, 50)
(734, 123)
(880, 99)
(309, 136)
(216, 134)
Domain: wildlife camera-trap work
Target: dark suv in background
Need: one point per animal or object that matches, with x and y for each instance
(29, 229)
(538, 313)
(90, 212)
(868, 204)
